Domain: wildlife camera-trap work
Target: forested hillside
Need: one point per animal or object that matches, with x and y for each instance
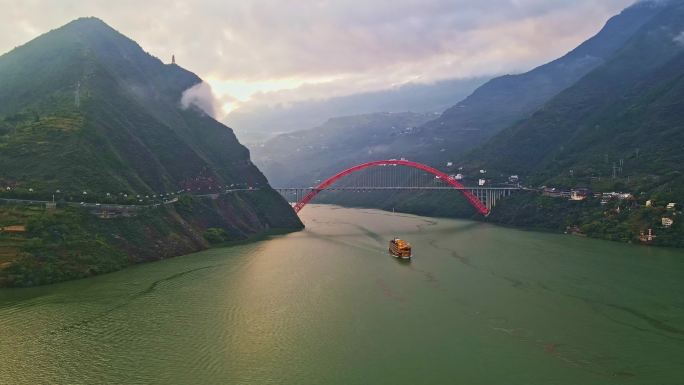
(87, 115)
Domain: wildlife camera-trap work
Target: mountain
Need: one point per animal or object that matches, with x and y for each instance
(301, 158)
(86, 114)
(491, 108)
(126, 133)
(629, 111)
(618, 128)
(259, 123)
(505, 100)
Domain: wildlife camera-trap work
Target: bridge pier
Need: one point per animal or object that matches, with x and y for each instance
(490, 196)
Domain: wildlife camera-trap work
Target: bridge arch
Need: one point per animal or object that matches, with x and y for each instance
(472, 199)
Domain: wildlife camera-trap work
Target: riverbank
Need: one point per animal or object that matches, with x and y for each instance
(615, 221)
(71, 242)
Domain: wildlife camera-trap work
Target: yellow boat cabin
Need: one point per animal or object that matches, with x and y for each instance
(400, 248)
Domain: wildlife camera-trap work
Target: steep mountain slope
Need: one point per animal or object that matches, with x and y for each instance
(126, 131)
(301, 158)
(86, 114)
(628, 112)
(506, 100)
(620, 128)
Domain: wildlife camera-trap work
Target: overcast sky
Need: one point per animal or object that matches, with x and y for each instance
(267, 51)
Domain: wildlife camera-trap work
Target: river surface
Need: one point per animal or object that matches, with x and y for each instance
(479, 304)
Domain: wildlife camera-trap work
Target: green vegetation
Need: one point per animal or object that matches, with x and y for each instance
(125, 131)
(87, 115)
(620, 128)
(617, 127)
(608, 116)
(216, 236)
(61, 246)
(621, 221)
(70, 243)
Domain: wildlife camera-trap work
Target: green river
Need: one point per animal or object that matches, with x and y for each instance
(479, 304)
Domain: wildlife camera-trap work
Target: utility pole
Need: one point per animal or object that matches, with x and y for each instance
(614, 170)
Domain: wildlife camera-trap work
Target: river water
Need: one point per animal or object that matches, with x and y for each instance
(479, 304)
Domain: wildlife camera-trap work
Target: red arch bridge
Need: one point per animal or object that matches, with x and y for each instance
(384, 175)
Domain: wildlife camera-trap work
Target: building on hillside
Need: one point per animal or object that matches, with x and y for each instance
(580, 194)
(550, 192)
(650, 203)
(667, 222)
(554, 192)
(647, 237)
(607, 197)
(671, 206)
(13, 229)
(514, 179)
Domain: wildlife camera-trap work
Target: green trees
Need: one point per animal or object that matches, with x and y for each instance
(215, 235)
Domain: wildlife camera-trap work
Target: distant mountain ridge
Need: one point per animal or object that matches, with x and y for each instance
(630, 111)
(301, 158)
(505, 100)
(260, 123)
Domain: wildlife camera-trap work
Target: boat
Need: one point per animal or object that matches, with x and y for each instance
(400, 249)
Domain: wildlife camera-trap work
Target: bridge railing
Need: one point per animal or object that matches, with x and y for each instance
(482, 198)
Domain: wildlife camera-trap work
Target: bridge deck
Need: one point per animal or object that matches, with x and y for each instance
(399, 188)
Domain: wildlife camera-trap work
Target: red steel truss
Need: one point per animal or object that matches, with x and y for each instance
(476, 203)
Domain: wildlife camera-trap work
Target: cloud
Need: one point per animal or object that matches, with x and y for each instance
(201, 96)
(282, 51)
(679, 39)
(379, 149)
